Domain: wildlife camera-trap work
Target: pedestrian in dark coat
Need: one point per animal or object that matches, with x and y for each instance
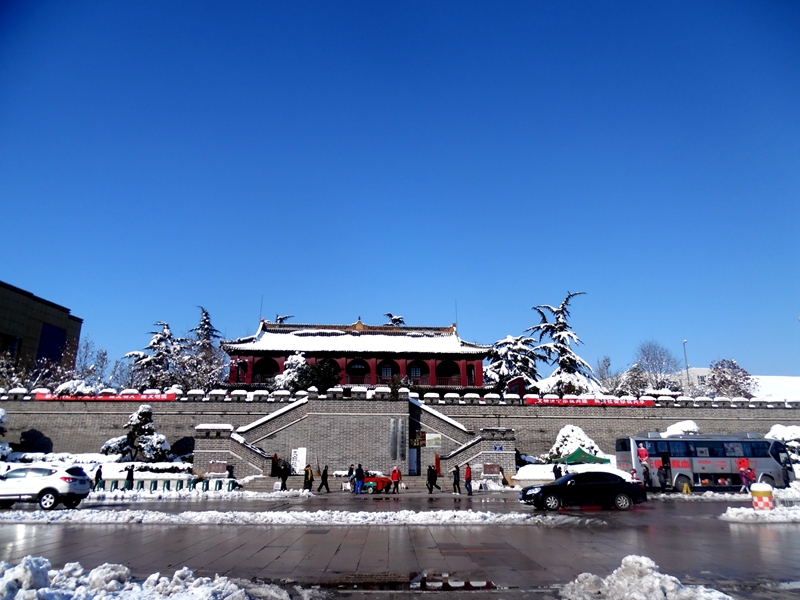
(432, 477)
(359, 475)
(308, 478)
(556, 471)
(662, 478)
(129, 477)
(98, 476)
(648, 482)
(284, 474)
(456, 481)
(324, 480)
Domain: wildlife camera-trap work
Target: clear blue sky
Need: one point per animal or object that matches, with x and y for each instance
(349, 159)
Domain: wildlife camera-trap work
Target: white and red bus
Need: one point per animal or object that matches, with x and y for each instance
(705, 461)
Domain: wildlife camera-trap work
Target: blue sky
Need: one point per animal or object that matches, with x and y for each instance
(349, 159)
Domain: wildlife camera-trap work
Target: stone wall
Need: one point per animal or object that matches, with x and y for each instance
(338, 432)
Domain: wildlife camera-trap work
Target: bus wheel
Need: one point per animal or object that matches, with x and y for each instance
(768, 479)
(683, 485)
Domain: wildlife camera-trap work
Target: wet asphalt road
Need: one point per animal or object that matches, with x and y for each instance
(686, 539)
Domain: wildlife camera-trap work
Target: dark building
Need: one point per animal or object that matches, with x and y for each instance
(32, 328)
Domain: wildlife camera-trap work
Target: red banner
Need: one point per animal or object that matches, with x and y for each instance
(125, 398)
(590, 402)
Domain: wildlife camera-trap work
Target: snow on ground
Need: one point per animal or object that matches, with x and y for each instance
(33, 579)
(320, 517)
(196, 494)
(782, 514)
(681, 428)
(637, 578)
(696, 497)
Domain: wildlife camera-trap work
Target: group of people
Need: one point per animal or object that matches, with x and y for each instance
(433, 476)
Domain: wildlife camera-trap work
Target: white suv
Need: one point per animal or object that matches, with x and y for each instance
(47, 485)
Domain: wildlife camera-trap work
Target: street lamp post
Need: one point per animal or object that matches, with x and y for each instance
(686, 362)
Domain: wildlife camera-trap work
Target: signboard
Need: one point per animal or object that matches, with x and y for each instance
(498, 448)
(433, 440)
(298, 460)
(589, 402)
(125, 398)
(491, 469)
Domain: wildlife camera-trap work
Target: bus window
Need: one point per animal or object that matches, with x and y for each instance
(710, 449)
(623, 445)
(759, 449)
(734, 449)
(681, 448)
(661, 448)
(779, 453)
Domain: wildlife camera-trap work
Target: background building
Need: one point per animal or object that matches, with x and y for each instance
(32, 328)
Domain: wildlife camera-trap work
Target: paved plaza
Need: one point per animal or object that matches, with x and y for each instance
(685, 539)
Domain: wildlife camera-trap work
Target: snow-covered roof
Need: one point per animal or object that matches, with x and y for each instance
(289, 338)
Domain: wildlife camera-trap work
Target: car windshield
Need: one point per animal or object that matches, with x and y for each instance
(565, 478)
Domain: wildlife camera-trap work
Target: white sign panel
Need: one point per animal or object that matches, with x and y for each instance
(298, 460)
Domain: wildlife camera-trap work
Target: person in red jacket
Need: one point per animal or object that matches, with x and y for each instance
(396, 478)
(468, 479)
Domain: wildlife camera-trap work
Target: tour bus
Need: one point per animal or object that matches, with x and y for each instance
(705, 461)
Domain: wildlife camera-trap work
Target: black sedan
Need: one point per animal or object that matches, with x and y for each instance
(594, 488)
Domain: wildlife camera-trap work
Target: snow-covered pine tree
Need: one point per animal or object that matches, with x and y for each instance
(727, 378)
(142, 437)
(573, 375)
(513, 357)
(293, 367)
(204, 362)
(159, 366)
(633, 382)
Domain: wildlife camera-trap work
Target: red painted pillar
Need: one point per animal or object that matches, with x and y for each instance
(373, 364)
(234, 370)
(478, 372)
(250, 362)
(432, 368)
(342, 362)
(462, 366)
(403, 363)
(281, 360)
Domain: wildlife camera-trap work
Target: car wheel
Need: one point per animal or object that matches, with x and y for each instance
(72, 502)
(623, 502)
(551, 502)
(768, 480)
(7, 504)
(48, 500)
(681, 483)
(371, 490)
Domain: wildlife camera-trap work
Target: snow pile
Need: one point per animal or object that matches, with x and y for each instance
(61, 457)
(196, 494)
(790, 435)
(790, 493)
(704, 497)
(782, 514)
(296, 518)
(681, 428)
(636, 579)
(32, 579)
(569, 439)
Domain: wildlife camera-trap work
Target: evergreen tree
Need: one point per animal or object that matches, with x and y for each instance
(513, 357)
(727, 378)
(323, 375)
(293, 368)
(160, 365)
(203, 363)
(634, 382)
(142, 438)
(573, 375)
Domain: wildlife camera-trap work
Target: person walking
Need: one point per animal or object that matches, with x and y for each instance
(456, 481)
(284, 472)
(662, 478)
(432, 477)
(98, 476)
(396, 478)
(324, 480)
(468, 479)
(648, 482)
(557, 474)
(308, 478)
(359, 475)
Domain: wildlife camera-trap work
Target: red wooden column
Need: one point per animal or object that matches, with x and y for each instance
(462, 366)
(281, 360)
(234, 370)
(432, 368)
(478, 372)
(403, 364)
(373, 364)
(250, 362)
(342, 362)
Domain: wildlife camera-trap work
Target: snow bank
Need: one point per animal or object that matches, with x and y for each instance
(61, 457)
(681, 428)
(196, 494)
(782, 514)
(637, 578)
(33, 578)
(294, 518)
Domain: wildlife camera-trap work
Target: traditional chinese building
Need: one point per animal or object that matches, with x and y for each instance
(368, 355)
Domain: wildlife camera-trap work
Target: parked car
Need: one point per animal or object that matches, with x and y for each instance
(46, 485)
(593, 488)
(375, 484)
